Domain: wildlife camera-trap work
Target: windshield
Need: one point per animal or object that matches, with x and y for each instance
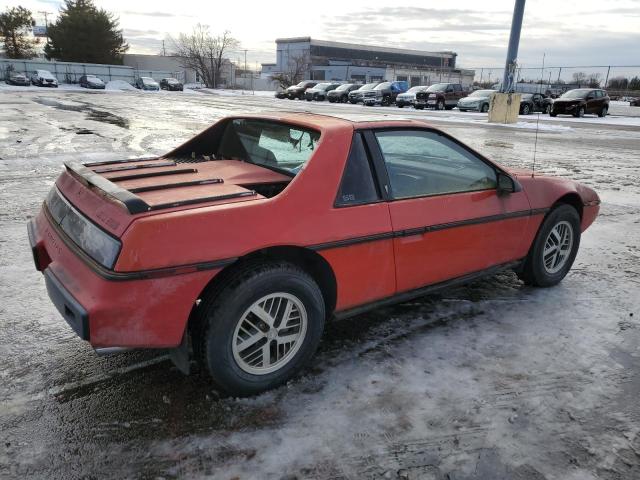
(368, 86)
(94, 78)
(322, 86)
(482, 93)
(147, 80)
(270, 144)
(171, 80)
(344, 87)
(415, 89)
(438, 87)
(44, 74)
(581, 93)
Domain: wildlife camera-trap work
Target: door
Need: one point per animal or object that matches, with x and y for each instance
(592, 102)
(447, 216)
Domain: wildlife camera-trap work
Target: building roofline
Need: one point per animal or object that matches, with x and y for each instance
(357, 46)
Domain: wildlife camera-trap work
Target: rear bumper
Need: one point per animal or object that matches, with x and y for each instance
(144, 312)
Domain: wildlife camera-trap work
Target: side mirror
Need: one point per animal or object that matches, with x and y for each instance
(506, 184)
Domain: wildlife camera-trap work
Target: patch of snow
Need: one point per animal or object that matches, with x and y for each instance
(119, 85)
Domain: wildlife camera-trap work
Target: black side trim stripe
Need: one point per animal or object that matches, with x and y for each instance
(431, 228)
(139, 274)
(214, 198)
(411, 294)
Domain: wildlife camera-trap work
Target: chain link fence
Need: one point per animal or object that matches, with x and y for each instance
(619, 80)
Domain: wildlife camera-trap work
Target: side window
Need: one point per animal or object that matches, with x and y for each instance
(422, 163)
(457, 87)
(599, 94)
(357, 186)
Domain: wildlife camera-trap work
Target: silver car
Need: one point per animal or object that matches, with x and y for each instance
(478, 101)
(409, 97)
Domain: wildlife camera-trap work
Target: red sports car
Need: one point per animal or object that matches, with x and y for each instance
(238, 245)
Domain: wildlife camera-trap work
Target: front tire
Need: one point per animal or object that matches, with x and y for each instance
(554, 248)
(603, 112)
(440, 105)
(484, 108)
(261, 328)
(580, 112)
(525, 109)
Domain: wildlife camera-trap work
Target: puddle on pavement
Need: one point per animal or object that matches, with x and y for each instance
(92, 113)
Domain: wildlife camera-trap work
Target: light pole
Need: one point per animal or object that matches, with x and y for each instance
(512, 51)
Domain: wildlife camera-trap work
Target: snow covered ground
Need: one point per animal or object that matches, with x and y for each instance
(491, 381)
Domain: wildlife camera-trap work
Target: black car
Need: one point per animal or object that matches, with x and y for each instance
(356, 96)
(296, 91)
(534, 102)
(91, 81)
(171, 84)
(341, 94)
(579, 101)
(16, 78)
(319, 92)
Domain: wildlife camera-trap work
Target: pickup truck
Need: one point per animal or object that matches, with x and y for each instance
(440, 96)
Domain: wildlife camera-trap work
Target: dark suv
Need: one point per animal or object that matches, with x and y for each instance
(356, 95)
(319, 92)
(341, 94)
(385, 93)
(534, 102)
(440, 96)
(296, 91)
(580, 101)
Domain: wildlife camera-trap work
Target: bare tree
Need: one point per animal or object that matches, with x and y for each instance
(579, 78)
(593, 80)
(296, 69)
(203, 52)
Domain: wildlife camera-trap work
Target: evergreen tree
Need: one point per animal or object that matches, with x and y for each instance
(85, 33)
(14, 24)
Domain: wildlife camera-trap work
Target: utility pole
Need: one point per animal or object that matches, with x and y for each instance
(46, 23)
(164, 51)
(245, 68)
(512, 51)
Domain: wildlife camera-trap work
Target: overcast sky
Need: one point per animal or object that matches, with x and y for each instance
(586, 32)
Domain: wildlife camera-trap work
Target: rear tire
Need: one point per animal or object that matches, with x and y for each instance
(484, 108)
(554, 248)
(294, 310)
(440, 105)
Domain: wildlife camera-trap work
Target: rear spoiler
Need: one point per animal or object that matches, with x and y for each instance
(133, 203)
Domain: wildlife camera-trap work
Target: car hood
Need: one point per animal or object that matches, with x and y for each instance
(543, 190)
(473, 99)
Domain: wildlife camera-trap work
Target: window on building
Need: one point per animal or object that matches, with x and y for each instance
(415, 81)
(317, 75)
(359, 78)
(402, 78)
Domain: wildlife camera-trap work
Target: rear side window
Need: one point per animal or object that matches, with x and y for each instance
(357, 186)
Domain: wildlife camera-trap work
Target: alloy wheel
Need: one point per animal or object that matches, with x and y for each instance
(557, 247)
(269, 333)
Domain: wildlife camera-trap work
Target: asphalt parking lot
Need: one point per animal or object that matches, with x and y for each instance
(493, 380)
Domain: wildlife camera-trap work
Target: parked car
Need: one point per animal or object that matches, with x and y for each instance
(245, 257)
(319, 92)
(441, 96)
(17, 78)
(534, 102)
(341, 94)
(146, 83)
(356, 96)
(407, 98)
(296, 91)
(579, 101)
(43, 78)
(171, 84)
(634, 102)
(91, 81)
(478, 100)
(385, 93)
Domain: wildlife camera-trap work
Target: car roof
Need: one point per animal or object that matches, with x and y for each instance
(356, 121)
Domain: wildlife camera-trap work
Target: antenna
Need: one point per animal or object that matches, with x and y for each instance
(535, 143)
